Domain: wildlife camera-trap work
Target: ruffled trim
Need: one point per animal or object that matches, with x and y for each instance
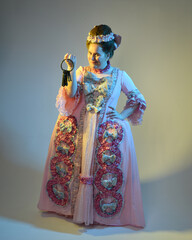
(136, 98)
(66, 104)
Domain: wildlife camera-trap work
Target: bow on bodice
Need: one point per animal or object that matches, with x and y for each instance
(95, 92)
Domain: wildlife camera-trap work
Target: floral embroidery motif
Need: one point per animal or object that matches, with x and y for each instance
(108, 204)
(57, 192)
(64, 146)
(109, 178)
(61, 169)
(108, 159)
(109, 181)
(110, 132)
(67, 125)
(61, 165)
(108, 156)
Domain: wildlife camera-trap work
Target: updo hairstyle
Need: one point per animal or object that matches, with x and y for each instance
(107, 47)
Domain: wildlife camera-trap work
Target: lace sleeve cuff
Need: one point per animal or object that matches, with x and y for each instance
(66, 104)
(136, 98)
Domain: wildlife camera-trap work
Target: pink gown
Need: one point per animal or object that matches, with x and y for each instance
(91, 171)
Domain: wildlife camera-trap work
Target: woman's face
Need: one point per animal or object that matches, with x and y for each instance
(96, 57)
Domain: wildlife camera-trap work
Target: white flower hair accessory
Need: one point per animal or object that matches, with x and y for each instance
(100, 38)
(105, 38)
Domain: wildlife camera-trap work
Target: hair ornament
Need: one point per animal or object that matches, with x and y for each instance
(100, 38)
(105, 38)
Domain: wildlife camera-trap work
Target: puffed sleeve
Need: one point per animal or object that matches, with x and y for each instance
(66, 104)
(134, 97)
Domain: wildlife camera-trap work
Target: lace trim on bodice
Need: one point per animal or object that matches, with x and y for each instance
(96, 90)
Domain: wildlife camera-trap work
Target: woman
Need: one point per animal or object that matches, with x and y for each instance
(91, 171)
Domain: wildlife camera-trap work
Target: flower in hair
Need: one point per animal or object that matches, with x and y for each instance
(105, 38)
(100, 38)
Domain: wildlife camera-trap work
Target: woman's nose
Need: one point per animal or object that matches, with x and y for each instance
(92, 57)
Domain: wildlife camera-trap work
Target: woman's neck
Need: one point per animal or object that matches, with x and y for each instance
(97, 70)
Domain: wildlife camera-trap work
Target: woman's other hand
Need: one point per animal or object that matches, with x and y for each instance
(114, 114)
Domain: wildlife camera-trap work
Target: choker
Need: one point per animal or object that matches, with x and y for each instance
(95, 70)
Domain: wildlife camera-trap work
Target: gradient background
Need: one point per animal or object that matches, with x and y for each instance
(156, 51)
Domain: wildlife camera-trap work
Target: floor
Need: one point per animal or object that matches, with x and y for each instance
(21, 220)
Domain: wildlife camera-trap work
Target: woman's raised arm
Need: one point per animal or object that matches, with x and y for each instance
(71, 88)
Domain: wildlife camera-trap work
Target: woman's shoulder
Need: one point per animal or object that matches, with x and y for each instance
(121, 74)
(124, 75)
(80, 69)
